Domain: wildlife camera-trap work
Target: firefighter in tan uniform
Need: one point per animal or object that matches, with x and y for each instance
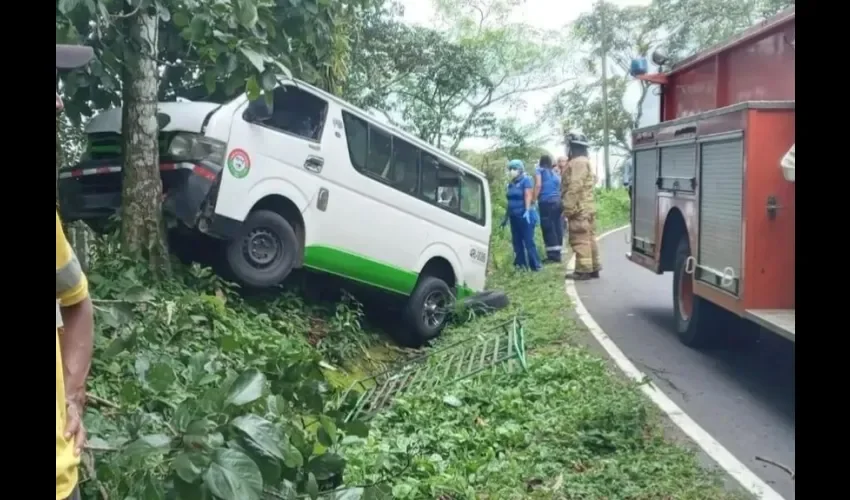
(74, 334)
(577, 184)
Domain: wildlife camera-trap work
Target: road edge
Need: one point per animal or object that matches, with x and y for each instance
(716, 451)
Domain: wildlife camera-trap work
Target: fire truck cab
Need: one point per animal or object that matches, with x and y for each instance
(713, 185)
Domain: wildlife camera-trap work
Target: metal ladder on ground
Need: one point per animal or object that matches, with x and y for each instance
(502, 346)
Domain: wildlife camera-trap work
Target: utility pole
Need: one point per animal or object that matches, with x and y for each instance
(603, 28)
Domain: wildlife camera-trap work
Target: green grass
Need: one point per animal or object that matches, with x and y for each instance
(567, 429)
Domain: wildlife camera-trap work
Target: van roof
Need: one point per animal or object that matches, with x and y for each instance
(392, 129)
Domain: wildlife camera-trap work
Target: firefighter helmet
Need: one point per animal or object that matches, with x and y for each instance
(576, 139)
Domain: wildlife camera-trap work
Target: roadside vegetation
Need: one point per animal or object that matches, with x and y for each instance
(196, 390)
(199, 392)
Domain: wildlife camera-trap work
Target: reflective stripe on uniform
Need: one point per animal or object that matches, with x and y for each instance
(59, 322)
(69, 275)
(558, 248)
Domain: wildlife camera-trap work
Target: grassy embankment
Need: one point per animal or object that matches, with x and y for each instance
(568, 428)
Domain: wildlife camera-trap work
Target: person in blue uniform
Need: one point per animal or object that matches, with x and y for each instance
(522, 216)
(548, 194)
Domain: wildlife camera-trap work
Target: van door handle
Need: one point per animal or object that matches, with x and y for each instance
(314, 164)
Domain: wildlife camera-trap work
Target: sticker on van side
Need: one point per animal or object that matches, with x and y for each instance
(238, 163)
(478, 255)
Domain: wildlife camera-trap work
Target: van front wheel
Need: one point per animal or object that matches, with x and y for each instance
(428, 309)
(264, 253)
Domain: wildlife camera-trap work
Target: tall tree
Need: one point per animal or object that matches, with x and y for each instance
(158, 49)
(142, 227)
(444, 83)
(515, 58)
(692, 25)
(627, 32)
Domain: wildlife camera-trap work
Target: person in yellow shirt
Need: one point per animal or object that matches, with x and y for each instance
(74, 333)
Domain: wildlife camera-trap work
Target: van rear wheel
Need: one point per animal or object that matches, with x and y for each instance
(427, 310)
(264, 253)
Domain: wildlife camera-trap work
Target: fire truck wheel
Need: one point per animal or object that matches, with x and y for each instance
(695, 317)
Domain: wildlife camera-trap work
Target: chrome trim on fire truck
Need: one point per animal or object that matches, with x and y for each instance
(723, 136)
(676, 142)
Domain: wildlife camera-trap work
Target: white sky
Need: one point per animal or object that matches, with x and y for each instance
(544, 14)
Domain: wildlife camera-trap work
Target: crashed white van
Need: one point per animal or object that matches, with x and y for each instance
(308, 181)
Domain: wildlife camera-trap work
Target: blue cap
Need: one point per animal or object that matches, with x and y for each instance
(515, 165)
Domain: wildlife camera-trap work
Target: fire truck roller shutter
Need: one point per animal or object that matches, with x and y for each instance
(721, 213)
(643, 182)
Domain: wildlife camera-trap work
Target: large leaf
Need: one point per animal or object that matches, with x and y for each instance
(246, 13)
(247, 388)
(326, 466)
(292, 457)
(148, 445)
(189, 465)
(327, 432)
(201, 434)
(312, 486)
(255, 58)
(261, 434)
(232, 475)
(66, 6)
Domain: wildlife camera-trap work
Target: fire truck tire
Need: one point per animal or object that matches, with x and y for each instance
(699, 327)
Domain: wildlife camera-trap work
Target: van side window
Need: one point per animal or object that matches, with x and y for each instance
(440, 183)
(380, 152)
(386, 158)
(357, 136)
(430, 167)
(298, 113)
(472, 197)
(405, 166)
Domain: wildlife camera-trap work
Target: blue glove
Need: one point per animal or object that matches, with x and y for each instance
(528, 215)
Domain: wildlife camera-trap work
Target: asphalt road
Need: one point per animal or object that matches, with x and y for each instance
(742, 396)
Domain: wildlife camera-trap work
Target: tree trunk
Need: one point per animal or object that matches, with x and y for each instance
(142, 228)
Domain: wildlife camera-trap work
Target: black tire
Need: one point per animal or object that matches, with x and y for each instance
(427, 310)
(268, 266)
(486, 302)
(702, 327)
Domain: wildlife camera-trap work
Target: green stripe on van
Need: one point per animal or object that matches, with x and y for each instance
(358, 268)
(364, 270)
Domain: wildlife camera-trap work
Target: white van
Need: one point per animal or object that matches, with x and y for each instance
(309, 181)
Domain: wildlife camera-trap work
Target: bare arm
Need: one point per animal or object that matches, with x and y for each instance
(76, 337)
(538, 180)
(77, 343)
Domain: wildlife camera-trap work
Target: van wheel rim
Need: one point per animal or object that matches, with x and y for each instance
(686, 295)
(434, 310)
(262, 248)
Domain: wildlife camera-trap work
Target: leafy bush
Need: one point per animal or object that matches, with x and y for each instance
(197, 392)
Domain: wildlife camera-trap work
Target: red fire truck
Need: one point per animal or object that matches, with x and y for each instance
(713, 185)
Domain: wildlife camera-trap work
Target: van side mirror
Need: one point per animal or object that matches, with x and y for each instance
(258, 110)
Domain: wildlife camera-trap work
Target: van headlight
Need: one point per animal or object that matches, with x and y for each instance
(197, 147)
